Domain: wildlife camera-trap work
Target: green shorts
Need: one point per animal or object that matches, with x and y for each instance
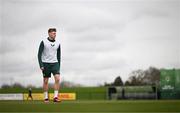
(49, 68)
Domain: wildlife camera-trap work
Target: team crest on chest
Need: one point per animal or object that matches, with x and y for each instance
(52, 45)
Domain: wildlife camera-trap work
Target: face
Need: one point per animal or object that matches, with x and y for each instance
(52, 35)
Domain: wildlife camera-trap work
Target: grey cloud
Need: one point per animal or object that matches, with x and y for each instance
(8, 46)
(16, 64)
(101, 40)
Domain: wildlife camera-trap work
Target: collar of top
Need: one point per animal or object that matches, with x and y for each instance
(50, 39)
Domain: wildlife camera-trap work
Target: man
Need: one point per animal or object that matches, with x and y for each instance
(49, 57)
(30, 94)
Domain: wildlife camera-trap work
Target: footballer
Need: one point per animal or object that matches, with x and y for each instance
(49, 57)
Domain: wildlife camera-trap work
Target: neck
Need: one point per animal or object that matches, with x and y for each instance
(51, 39)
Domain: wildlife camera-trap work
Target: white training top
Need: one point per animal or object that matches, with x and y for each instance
(49, 54)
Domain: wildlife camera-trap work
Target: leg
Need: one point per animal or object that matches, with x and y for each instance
(56, 73)
(45, 87)
(56, 85)
(57, 80)
(31, 97)
(45, 84)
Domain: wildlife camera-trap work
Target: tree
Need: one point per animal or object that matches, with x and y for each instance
(150, 76)
(127, 83)
(136, 77)
(4, 86)
(118, 81)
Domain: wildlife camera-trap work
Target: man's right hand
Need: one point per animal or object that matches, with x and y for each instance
(42, 68)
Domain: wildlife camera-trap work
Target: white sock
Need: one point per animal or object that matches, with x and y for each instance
(45, 95)
(55, 93)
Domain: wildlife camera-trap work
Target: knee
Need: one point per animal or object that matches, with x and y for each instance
(57, 79)
(45, 81)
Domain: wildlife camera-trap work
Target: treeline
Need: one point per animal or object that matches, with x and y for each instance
(51, 85)
(16, 85)
(150, 76)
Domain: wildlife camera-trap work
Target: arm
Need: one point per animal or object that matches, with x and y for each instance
(59, 54)
(41, 48)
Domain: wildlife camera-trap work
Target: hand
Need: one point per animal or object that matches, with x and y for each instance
(42, 68)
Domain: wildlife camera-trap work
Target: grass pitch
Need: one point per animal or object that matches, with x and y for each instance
(100, 106)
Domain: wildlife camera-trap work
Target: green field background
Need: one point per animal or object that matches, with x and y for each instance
(90, 100)
(82, 93)
(93, 106)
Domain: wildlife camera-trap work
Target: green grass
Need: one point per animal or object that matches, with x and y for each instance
(78, 89)
(38, 90)
(142, 106)
(82, 93)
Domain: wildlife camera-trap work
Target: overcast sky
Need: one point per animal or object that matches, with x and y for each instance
(100, 39)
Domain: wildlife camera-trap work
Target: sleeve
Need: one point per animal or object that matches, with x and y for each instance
(41, 48)
(59, 54)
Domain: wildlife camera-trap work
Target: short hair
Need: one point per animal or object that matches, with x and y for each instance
(51, 30)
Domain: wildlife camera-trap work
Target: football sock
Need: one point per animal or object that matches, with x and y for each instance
(45, 95)
(55, 93)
